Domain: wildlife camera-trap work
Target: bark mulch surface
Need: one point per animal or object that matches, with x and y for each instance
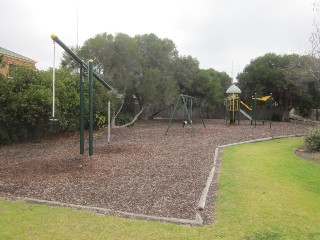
(142, 171)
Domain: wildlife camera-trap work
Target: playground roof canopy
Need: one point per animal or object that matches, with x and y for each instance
(233, 89)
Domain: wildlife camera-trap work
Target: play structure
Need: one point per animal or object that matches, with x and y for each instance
(233, 107)
(84, 68)
(187, 103)
(233, 104)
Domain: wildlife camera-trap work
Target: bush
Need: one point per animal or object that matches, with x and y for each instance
(123, 119)
(312, 140)
(26, 104)
(4, 137)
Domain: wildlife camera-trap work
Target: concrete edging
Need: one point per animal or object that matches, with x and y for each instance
(205, 191)
(197, 221)
(203, 197)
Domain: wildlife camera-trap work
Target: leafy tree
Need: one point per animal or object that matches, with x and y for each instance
(313, 63)
(185, 70)
(264, 75)
(139, 68)
(306, 94)
(309, 65)
(147, 71)
(157, 52)
(223, 77)
(155, 84)
(288, 81)
(207, 90)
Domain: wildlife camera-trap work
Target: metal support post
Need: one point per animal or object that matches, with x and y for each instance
(271, 100)
(199, 110)
(90, 75)
(172, 115)
(187, 112)
(238, 113)
(255, 109)
(81, 86)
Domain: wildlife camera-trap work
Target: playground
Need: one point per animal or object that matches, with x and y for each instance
(142, 171)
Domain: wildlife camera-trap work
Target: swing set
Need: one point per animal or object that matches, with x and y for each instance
(187, 106)
(87, 71)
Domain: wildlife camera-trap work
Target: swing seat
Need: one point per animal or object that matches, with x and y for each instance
(53, 120)
(184, 123)
(54, 126)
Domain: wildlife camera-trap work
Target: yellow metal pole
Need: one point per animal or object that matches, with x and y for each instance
(233, 121)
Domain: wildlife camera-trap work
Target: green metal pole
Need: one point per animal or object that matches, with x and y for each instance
(187, 112)
(226, 109)
(172, 115)
(199, 110)
(255, 109)
(252, 111)
(271, 99)
(77, 59)
(90, 75)
(81, 85)
(265, 113)
(238, 103)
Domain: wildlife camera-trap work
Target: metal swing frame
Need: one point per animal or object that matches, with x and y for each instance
(184, 99)
(84, 68)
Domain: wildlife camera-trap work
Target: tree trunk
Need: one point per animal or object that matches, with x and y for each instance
(132, 122)
(113, 121)
(153, 115)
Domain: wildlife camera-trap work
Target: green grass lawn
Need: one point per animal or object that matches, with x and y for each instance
(265, 192)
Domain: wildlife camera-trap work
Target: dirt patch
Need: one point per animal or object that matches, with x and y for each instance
(310, 156)
(142, 171)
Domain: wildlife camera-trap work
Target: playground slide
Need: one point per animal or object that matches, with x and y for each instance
(249, 108)
(246, 114)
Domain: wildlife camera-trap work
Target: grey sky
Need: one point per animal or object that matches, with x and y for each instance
(219, 33)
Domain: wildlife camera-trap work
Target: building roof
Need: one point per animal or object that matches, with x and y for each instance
(16, 55)
(233, 89)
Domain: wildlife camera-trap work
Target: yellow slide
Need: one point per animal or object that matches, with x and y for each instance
(246, 105)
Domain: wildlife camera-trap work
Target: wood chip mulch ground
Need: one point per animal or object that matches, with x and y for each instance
(142, 171)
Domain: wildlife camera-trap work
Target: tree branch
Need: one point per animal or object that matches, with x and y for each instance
(132, 122)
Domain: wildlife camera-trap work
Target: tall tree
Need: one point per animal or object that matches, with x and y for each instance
(156, 84)
(185, 70)
(311, 64)
(208, 89)
(148, 70)
(280, 75)
(139, 68)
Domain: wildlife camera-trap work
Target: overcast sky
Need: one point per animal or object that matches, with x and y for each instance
(220, 34)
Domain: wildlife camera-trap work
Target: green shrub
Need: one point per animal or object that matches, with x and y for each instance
(123, 119)
(26, 104)
(312, 140)
(99, 120)
(4, 137)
